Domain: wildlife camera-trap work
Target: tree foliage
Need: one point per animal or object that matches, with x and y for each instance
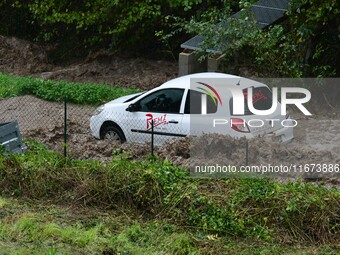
(97, 23)
(315, 30)
(305, 45)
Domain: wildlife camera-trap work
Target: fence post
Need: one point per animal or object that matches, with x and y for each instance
(247, 150)
(65, 127)
(152, 138)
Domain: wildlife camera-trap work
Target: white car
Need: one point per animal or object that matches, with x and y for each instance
(175, 110)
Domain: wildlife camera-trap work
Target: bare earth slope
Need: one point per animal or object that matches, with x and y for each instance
(24, 58)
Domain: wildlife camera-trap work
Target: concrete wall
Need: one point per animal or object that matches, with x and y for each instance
(188, 63)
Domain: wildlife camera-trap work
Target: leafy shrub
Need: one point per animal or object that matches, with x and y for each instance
(10, 86)
(79, 93)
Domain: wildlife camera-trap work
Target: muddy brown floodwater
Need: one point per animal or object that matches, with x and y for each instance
(317, 140)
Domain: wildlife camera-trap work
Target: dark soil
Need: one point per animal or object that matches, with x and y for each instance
(21, 57)
(25, 58)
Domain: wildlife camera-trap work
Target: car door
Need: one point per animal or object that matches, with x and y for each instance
(162, 108)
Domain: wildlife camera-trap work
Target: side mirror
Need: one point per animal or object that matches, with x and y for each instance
(132, 108)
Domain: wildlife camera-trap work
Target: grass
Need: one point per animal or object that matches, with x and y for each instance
(256, 209)
(79, 93)
(50, 229)
(33, 227)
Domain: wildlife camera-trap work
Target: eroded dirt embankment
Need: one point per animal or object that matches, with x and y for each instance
(25, 58)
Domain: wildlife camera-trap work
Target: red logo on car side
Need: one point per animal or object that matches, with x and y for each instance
(160, 120)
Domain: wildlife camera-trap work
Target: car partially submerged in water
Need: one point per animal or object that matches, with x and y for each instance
(192, 105)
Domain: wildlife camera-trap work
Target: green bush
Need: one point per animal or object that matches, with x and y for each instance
(10, 86)
(79, 93)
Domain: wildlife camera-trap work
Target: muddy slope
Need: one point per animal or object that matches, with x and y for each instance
(25, 58)
(21, 57)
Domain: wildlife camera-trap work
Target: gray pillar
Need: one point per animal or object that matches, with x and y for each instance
(188, 63)
(214, 62)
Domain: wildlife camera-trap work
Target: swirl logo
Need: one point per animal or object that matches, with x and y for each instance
(209, 90)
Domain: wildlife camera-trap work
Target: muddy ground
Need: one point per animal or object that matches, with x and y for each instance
(24, 58)
(317, 139)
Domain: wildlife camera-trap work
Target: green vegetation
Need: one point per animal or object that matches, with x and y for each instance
(261, 210)
(80, 25)
(50, 229)
(32, 227)
(80, 93)
(304, 46)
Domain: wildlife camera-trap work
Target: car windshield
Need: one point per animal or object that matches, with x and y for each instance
(262, 100)
(134, 97)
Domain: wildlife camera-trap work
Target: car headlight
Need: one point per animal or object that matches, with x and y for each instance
(99, 110)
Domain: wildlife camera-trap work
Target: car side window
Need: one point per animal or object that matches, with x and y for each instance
(163, 101)
(193, 103)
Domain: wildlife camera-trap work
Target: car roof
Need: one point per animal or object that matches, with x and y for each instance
(184, 81)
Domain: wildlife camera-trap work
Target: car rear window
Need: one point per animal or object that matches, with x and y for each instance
(193, 103)
(262, 100)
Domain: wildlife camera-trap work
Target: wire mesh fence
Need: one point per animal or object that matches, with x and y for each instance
(45, 121)
(82, 132)
(78, 131)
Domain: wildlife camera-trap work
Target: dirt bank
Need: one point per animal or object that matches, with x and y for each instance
(110, 69)
(21, 57)
(25, 58)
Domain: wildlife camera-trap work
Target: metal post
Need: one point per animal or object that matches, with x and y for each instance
(152, 138)
(247, 149)
(65, 127)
